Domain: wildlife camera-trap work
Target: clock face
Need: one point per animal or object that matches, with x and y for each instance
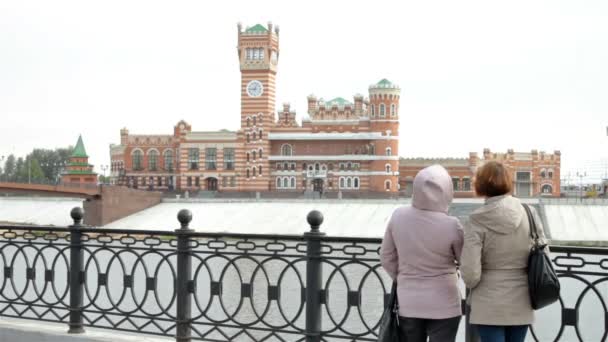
(255, 88)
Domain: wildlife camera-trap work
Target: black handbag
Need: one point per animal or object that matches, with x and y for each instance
(389, 323)
(543, 283)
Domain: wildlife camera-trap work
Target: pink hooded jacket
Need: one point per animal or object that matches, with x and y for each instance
(420, 249)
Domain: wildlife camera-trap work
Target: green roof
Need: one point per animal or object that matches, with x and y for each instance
(338, 101)
(79, 151)
(384, 82)
(256, 29)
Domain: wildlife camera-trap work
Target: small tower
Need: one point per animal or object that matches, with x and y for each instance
(383, 112)
(78, 170)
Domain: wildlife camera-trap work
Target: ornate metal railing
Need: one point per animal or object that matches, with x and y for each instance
(236, 287)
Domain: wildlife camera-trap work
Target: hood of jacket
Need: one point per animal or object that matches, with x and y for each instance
(501, 214)
(433, 189)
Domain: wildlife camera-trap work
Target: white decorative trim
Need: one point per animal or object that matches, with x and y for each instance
(137, 149)
(334, 157)
(330, 136)
(152, 149)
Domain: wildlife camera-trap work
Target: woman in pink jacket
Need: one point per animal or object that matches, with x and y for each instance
(420, 250)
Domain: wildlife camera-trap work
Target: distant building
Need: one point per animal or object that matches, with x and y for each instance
(78, 169)
(534, 173)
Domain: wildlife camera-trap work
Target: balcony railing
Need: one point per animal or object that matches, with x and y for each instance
(237, 287)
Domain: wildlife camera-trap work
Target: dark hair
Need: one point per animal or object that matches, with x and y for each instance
(493, 179)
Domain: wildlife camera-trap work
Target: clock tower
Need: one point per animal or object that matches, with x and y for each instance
(258, 52)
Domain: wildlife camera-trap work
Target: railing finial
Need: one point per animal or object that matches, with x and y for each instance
(315, 219)
(77, 215)
(184, 217)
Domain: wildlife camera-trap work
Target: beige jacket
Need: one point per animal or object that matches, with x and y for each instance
(494, 262)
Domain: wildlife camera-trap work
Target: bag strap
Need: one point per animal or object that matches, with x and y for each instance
(532, 223)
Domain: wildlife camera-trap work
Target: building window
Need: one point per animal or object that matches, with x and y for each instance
(389, 151)
(254, 172)
(193, 158)
(261, 54)
(543, 173)
(247, 173)
(153, 160)
(260, 153)
(137, 160)
(247, 136)
(159, 179)
(349, 182)
(247, 156)
(373, 108)
(254, 120)
(393, 110)
(232, 181)
(261, 133)
(278, 182)
(256, 53)
(342, 186)
(388, 168)
(293, 166)
(382, 110)
(260, 170)
(254, 154)
(211, 158)
(547, 189)
(197, 181)
(303, 166)
(455, 183)
(387, 185)
(550, 174)
(293, 183)
(168, 156)
(356, 182)
(189, 181)
(254, 136)
(229, 159)
(286, 150)
(248, 122)
(249, 53)
(285, 182)
(466, 184)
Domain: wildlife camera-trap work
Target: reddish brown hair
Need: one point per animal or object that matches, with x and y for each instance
(493, 179)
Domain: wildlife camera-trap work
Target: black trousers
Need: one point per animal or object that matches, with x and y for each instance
(436, 330)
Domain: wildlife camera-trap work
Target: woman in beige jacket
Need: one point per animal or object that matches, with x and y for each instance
(495, 258)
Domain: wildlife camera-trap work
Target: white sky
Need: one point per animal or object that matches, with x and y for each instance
(474, 74)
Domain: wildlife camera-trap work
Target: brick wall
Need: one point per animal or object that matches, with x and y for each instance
(116, 202)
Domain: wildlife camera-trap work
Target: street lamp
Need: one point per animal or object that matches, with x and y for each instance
(580, 175)
(103, 169)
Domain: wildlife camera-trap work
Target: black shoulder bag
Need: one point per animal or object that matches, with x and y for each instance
(389, 323)
(543, 282)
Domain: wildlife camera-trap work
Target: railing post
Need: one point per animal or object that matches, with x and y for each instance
(184, 286)
(314, 277)
(76, 272)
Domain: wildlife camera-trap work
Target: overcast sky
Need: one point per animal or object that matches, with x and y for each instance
(474, 74)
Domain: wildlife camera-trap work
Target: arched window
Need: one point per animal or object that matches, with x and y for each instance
(254, 136)
(317, 167)
(260, 134)
(278, 182)
(546, 189)
(293, 166)
(349, 182)
(285, 182)
(550, 173)
(373, 108)
(387, 185)
(168, 156)
(293, 182)
(393, 110)
(137, 158)
(254, 154)
(152, 160)
(247, 137)
(389, 151)
(382, 110)
(254, 120)
(260, 120)
(254, 171)
(356, 182)
(349, 166)
(388, 168)
(286, 150)
(247, 173)
(260, 170)
(286, 166)
(543, 173)
(248, 122)
(260, 152)
(341, 182)
(247, 156)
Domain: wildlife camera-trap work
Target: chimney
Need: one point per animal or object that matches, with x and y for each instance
(358, 104)
(124, 136)
(312, 104)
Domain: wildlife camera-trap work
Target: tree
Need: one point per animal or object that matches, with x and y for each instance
(19, 171)
(9, 168)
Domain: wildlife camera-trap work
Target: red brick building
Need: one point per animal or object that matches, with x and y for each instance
(78, 169)
(339, 146)
(534, 173)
